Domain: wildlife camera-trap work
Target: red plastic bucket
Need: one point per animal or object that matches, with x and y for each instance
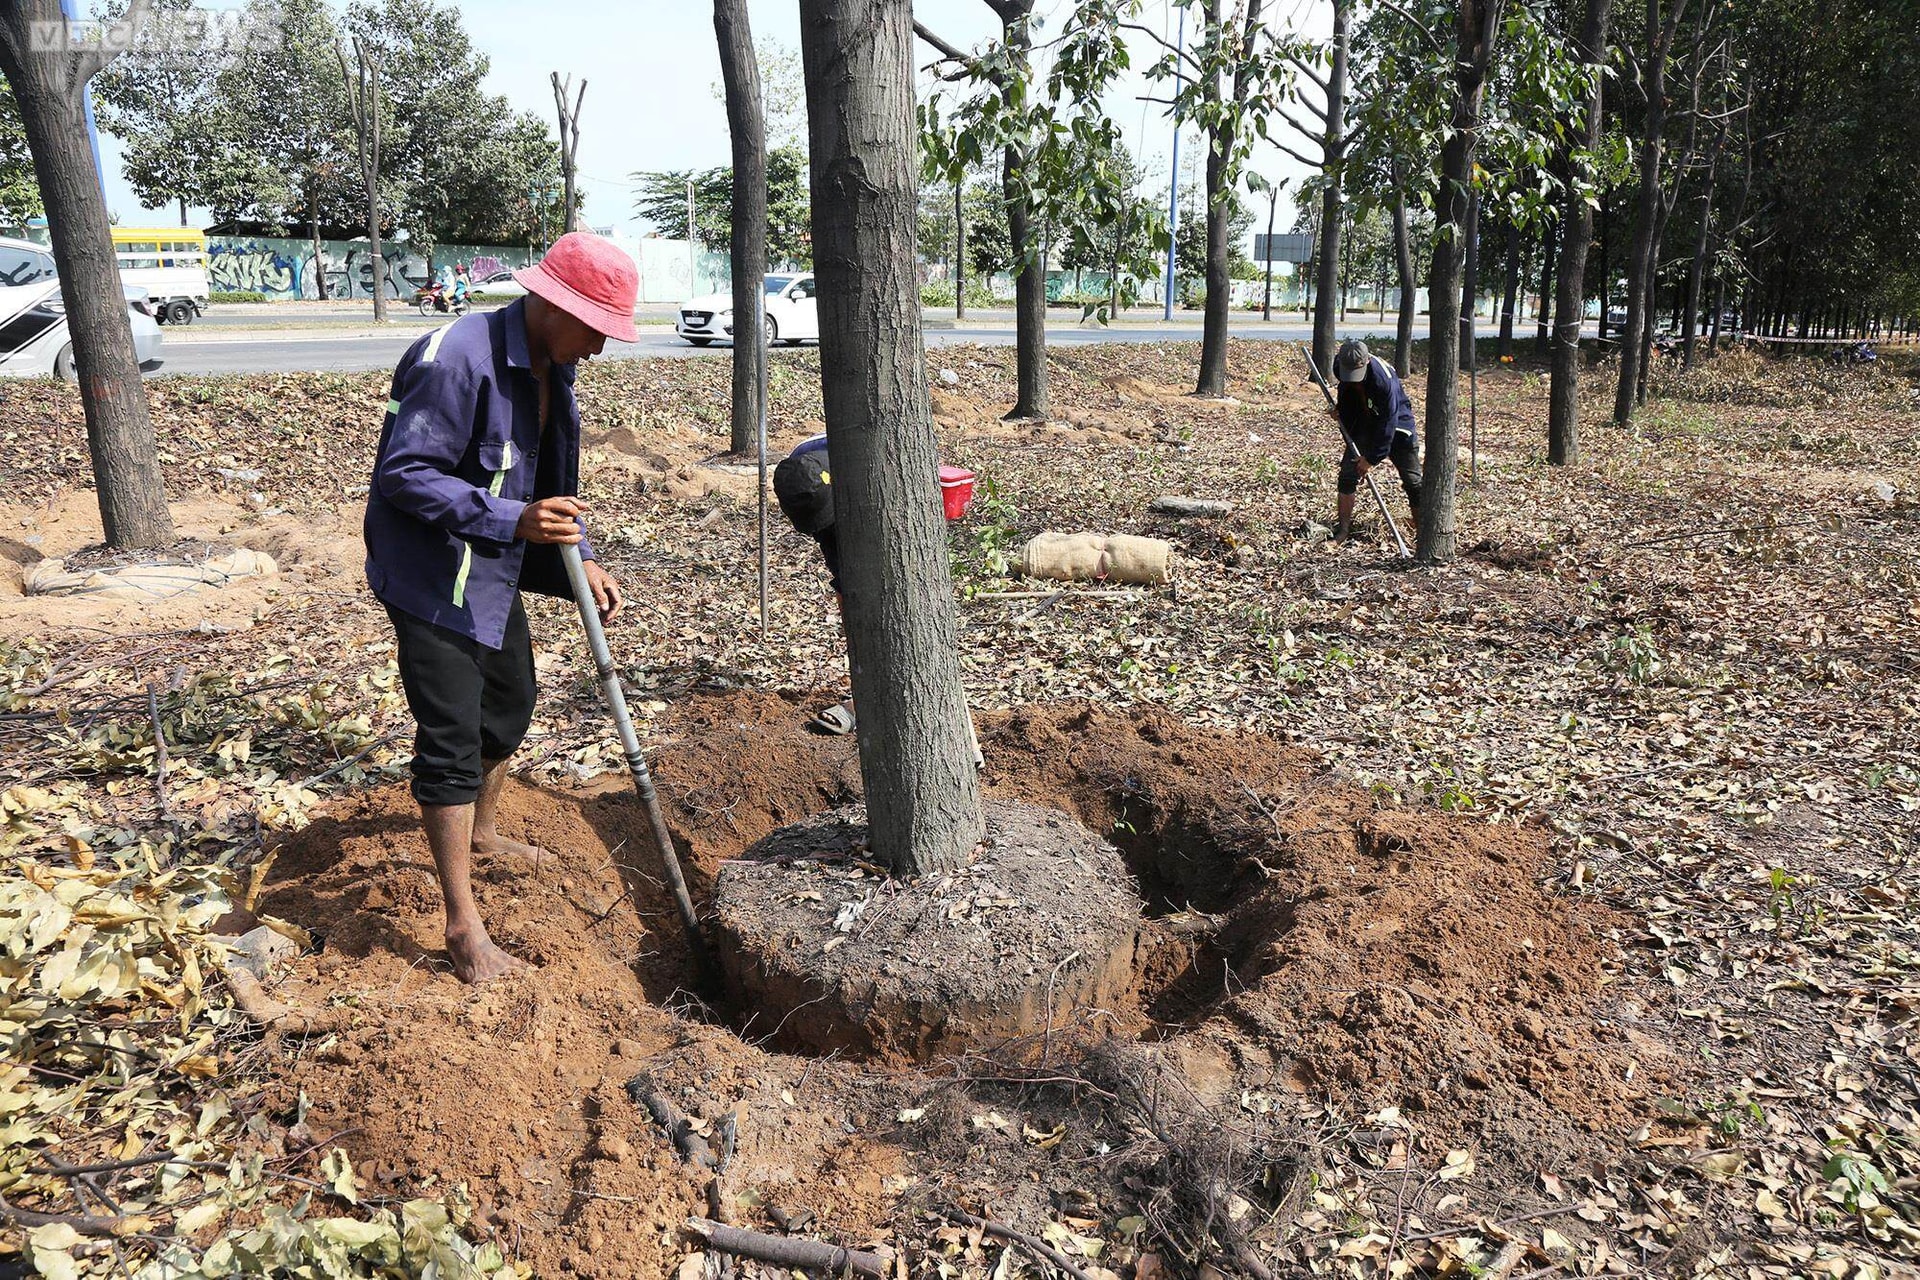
(956, 490)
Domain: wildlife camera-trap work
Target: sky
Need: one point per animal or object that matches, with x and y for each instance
(652, 66)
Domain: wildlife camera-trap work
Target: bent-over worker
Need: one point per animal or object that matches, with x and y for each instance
(474, 491)
(803, 483)
(1374, 409)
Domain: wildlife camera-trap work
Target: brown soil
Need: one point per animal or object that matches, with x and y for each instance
(1301, 943)
(824, 952)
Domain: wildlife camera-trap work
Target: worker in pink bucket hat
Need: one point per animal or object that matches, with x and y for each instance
(475, 490)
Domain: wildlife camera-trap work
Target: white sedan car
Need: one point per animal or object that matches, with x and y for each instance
(500, 284)
(790, 313)
(33, 318)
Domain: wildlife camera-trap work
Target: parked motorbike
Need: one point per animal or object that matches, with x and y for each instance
(1854, 353)
(434, 297)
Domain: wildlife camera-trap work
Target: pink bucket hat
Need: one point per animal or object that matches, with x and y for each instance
(591, 279)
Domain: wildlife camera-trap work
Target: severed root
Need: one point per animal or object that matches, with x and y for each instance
(278, 1019)
(783, 1251)
(693, 1148)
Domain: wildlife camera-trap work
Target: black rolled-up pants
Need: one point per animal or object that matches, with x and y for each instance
(1405, 456)
(470, 704)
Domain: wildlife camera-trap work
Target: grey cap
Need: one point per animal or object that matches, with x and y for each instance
(1350, 365)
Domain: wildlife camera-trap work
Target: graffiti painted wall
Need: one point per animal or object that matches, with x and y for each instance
(283, 268)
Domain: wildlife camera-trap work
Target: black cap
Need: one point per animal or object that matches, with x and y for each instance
(803, 483)
(1350, 365)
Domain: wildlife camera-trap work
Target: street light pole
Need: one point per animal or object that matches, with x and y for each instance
(1173, 182)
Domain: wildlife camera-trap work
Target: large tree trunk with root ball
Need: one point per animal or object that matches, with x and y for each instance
(1570, 304)
(923, 799)
(740, 74)
(49, 86)
(1474, 32)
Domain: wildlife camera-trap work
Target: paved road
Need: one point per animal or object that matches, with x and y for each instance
(287, 351)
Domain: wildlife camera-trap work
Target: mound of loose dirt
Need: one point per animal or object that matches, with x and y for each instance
(1300, 940)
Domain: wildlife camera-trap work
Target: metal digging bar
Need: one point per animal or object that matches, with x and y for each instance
(636, 762)
(1372, 488)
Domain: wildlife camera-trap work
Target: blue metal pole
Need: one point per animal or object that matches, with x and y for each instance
(86, 100)
(1173, 182)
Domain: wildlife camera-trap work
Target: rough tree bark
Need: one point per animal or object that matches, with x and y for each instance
(1333, 149)
(570, 141)
(1563, 397)
(1403, 266)
(1213, 331)
(49, 86)
(740, 75)
(923, 800)
(1653, 79)
(363, 101)
(1474, 35)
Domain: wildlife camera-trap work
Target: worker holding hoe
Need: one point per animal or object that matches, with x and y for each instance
(474, 492)
(1377, 416)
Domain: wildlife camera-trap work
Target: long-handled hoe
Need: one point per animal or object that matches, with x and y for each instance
(636, 762)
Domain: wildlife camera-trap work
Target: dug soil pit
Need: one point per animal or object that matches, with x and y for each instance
(824, 951)
(1303, 949)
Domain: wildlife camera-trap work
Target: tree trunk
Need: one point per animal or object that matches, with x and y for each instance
(1563, 397)
(319, 260)
(1697, 269)
(1029, 301)
(923, 799)
(1029, 257)
(1403, 265)
(1333, 150)
(740, 74)
(1549, 250)
(1470, 283)
(569, 114)
(1213, 331)
(1509, 292)
(1640, 259)
(1474, 31)
(50, 92)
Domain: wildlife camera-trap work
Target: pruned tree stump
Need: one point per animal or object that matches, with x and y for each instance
(823, 951)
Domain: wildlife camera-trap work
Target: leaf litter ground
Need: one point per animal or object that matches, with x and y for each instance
(1562, 896)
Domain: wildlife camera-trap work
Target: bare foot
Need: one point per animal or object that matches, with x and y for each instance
(498, 846)
(476, 959)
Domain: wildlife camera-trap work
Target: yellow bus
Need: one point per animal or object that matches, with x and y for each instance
(170, 263)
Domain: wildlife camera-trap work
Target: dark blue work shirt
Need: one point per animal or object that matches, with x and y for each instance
(1375, 409)
(461, 455)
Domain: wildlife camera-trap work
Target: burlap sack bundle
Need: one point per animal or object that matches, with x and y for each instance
(157, 580)
(1088, 557)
